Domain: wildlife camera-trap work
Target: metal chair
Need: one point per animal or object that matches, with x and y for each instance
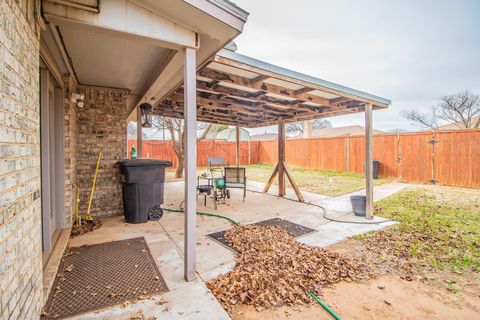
(216, 162)
(235, 177)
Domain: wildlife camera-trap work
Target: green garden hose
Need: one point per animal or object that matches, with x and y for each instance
(333, 314)
(205, 214)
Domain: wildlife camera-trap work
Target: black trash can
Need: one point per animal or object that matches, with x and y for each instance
(376, 166)
(143, 184)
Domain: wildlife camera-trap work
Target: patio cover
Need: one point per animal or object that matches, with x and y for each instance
(238, 90)
(241, 91)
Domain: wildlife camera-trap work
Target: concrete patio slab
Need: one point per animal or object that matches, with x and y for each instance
(342, 203)
(165, 238)
(309, 197)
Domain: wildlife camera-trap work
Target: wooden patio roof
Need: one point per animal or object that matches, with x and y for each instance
(238, 90)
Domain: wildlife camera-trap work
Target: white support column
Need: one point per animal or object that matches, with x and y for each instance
(139, 133)
(190, 115)
(281, 159)
(369, 160)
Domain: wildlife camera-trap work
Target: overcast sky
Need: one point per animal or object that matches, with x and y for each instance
(409, 51)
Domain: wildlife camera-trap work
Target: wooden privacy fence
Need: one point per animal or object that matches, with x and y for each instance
(159, 149)
(448, 157)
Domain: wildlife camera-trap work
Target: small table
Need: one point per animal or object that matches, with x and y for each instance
(206, 189)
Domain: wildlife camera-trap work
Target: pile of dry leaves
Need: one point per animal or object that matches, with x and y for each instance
(273, 269)
(85, 227)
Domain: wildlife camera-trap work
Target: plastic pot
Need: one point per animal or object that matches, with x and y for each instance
(359, 205)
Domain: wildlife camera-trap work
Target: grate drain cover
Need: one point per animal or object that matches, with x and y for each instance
(101, 275)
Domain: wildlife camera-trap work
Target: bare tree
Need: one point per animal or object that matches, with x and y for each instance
(428, 121)
(292, 129)
(461, 109)
(176, 129)
(296, 128)
(321, 123)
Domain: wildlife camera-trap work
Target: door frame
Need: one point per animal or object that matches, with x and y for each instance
(52, 158)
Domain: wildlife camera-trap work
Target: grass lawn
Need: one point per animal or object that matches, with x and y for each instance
(439, 229)
(329, 183)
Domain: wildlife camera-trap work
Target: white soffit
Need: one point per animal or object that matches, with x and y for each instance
(232, 70)
(323, 94)
(104, 60)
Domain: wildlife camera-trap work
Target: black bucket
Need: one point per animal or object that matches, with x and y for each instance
(359, 205)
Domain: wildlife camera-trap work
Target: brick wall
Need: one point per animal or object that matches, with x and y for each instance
(101, 124)
(20, 225)
(71, 142)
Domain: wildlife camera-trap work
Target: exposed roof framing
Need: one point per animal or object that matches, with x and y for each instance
(237, 90)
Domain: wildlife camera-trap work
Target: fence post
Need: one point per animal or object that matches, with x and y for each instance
(347, 154)
(433, 142)
(399, 158)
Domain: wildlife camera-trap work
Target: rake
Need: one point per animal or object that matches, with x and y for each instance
(88, 217)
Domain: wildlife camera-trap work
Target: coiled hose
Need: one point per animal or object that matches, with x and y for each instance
(205, 214)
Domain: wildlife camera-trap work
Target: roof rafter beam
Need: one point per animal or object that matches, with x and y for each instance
(259, 84)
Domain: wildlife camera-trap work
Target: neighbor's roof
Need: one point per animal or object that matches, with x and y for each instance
(458, 125)
(235, 89)
(341, 131)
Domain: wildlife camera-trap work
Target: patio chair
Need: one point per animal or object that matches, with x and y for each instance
(235, 177)
(216, 162)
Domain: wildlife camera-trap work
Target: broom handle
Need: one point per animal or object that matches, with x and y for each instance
(94, 182)
(76, 204)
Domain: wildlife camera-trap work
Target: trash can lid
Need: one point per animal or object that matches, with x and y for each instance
(144, 162)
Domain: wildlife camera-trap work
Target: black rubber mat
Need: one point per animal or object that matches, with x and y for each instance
(102, 275)
(293, 229)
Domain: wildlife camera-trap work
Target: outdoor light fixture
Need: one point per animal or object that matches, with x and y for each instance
(78, 99)
(146, 108)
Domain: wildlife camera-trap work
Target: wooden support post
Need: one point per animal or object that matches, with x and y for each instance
(237, 145)
(190, 115)
(281, 168)
(139, 133)
(369, 160)
(281, 158)
(294, 185)
(270, 180)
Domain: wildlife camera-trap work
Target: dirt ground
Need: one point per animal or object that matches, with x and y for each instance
(440, 295)
(399, 299)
